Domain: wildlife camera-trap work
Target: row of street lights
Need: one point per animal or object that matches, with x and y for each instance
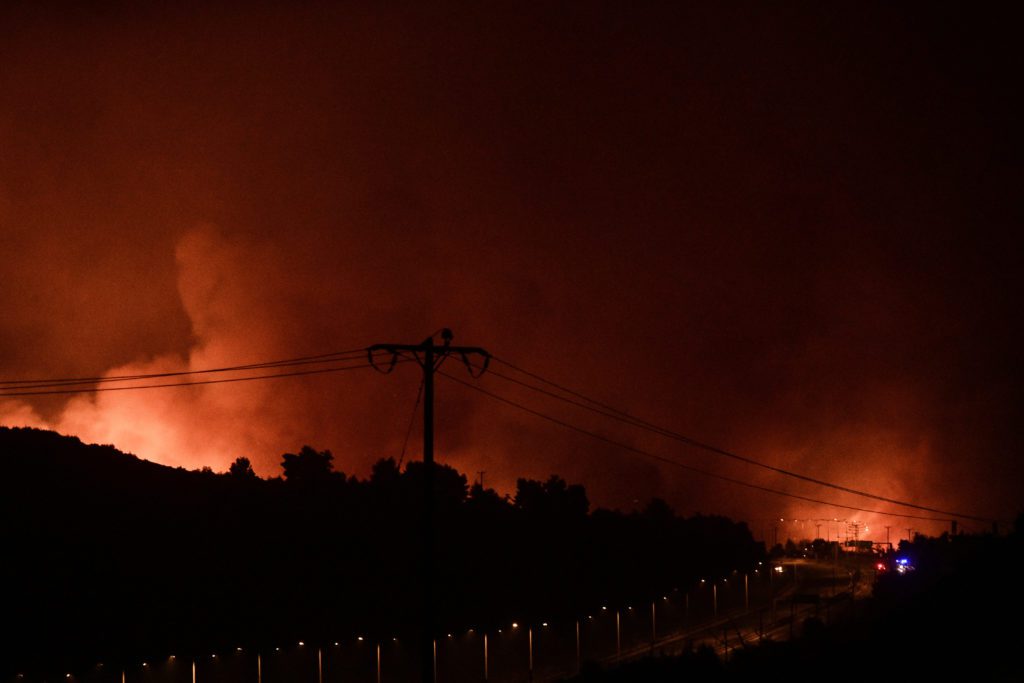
(485, 638)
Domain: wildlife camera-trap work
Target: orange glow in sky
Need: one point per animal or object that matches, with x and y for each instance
(745, 236)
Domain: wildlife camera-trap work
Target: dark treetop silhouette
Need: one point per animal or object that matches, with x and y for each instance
(111, 556)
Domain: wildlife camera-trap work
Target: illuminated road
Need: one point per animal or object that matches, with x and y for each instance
(811, 588)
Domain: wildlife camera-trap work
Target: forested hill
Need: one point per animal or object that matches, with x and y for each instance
(110, 555)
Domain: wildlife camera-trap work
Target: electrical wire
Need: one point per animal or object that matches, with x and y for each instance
(622, 416)
(412, 421)
(72, 381)
(676, 463)
(41, 387)
(94, 390)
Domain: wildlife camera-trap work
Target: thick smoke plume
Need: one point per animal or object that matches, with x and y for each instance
(725, 225)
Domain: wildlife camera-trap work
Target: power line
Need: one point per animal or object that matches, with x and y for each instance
(412, 421)
(676, 463)
(58, 386)
(72, 381)
(109, 378)
(622, 416)
(94, 390)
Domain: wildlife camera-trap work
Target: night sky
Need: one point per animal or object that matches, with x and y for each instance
(790, 231)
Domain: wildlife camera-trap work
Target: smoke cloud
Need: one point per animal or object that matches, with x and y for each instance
(724, 224)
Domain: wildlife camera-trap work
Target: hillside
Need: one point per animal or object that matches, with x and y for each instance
(117, 557)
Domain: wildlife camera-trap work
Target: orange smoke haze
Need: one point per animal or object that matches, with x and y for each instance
(728, 227)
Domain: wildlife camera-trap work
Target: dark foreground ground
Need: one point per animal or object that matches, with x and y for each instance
(957, 616)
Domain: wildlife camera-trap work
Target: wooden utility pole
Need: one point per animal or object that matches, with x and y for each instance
(429, 357)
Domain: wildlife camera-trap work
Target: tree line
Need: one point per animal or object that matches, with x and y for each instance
(110, 555)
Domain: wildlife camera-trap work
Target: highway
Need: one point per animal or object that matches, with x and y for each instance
(810, 588)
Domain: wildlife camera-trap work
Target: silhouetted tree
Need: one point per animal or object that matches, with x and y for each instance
(308, 466)
(450, 485)
(658, 510)
(553, 498)
(242, 469)
(486, 499)
(385, 473)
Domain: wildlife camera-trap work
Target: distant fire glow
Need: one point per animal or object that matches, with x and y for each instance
(730, 238)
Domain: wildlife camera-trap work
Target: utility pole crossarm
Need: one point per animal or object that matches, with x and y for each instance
(392, 348)
(438, 354)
